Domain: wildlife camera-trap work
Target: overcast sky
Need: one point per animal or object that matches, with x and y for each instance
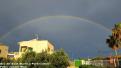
(78, 26)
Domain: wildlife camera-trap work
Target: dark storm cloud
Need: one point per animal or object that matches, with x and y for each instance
(23, 10)
(75, 36)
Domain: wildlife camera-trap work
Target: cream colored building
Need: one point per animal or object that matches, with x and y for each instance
(13, 55)
(35, 45)
(3, 50)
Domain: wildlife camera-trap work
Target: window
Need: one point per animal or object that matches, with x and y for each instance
(23, 48)
(0, 50)
(30, 49)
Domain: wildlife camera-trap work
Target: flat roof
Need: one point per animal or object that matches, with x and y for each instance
(1, 44)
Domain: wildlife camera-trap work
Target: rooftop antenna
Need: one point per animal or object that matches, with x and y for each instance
(36, 36)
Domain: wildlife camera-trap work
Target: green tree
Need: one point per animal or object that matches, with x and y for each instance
(6, 60)
(44, 59)
(114, 40)
(28, 57)
(60, 59)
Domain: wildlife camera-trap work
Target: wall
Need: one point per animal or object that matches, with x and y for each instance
(3, 51)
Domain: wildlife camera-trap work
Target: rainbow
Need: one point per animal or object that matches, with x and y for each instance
(51, 17)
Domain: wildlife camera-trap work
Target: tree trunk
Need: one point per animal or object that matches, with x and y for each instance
(117, 61)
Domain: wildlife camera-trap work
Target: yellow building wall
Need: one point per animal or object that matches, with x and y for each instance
(37, 45)
(3, 51)
(51, 48)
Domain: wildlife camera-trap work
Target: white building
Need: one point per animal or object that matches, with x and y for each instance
(35, 45)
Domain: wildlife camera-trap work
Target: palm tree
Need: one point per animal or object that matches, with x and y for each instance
(114, 41)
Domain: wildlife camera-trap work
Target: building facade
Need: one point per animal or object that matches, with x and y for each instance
(3, 50)
(13, 55)
(35, 45)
